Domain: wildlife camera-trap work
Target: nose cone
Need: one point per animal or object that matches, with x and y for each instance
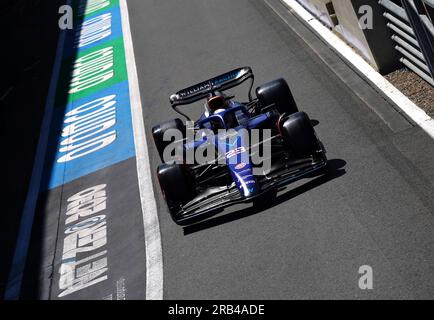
(246, 182)
(236, 148)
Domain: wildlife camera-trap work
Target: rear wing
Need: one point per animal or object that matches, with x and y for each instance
(220, 83)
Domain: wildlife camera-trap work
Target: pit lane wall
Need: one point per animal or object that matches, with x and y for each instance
(343, 16)
(88, 228)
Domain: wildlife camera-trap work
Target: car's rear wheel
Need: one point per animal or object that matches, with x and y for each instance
(299, 135)
(178, 130)
(277, 92)
(176, 186)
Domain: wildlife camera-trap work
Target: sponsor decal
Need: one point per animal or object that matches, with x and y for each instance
(89, 128)
(94, 30)
(209, 84)
(96, 134)
(92, 104)
(97, 127)
(195, 89)
(248, 171)
(240, 166)
(90, 6)
(226, 77)
(251, 189)
(92, 69)
(84, 258)
(235, 152)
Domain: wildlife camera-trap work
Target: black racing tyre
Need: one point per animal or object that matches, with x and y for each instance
(159, 130)
(175, 184)
(299, 134)
(277, 92)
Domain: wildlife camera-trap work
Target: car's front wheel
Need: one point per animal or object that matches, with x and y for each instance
(299, 135)
(176, 186)
(277, 93)
(175, 129)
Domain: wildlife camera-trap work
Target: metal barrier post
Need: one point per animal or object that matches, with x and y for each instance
(424, 36)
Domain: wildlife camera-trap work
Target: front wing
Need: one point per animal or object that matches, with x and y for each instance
(214, 200)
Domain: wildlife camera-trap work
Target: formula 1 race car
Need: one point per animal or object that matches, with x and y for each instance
(195, 188)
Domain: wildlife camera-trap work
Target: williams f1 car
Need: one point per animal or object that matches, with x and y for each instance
(195, 189)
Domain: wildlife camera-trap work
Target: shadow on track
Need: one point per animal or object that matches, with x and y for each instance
(335, 169)
(314, 122)
(39, 267)
(29, 31)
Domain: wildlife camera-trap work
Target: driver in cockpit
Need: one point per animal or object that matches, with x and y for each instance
(217, 102)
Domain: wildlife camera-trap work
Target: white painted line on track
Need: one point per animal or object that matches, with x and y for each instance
(13, 285)
(405, 104)
(154, 258)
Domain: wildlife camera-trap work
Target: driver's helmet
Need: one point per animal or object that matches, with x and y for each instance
(216, 102)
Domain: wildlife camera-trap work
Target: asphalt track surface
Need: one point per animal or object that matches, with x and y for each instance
(373, 207)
